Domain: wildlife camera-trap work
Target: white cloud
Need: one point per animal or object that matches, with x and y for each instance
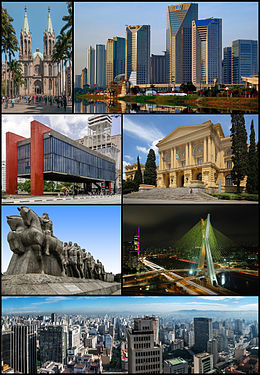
(142, 149)
(138, 131)
(220, 298)
(125, 163)
(129, 157)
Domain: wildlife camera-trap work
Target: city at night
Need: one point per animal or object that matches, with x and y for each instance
(194, 250)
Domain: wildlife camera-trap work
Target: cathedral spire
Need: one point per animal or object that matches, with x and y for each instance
(49, 28)
(25, 28)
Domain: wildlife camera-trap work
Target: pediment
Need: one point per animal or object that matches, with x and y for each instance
(184, 131)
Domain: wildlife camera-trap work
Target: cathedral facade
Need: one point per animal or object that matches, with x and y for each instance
(39, 71)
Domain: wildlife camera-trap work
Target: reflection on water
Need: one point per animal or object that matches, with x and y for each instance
(85, 106)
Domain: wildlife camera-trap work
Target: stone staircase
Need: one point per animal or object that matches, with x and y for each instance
(179, 194)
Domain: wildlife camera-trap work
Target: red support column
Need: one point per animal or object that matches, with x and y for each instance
(37, 131)
(11, 162)
(109, 186)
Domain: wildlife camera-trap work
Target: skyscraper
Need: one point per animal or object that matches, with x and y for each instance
(101, 65)
(144, 350)
(212, 348)
(83, 78)
(137, 65)
(159, 72)
(53, 344)
(179, 41)
(24, 349)
(119, 56)
(202, 333)
(227, 66)
(203, 363)
(206, 50)
(110, 61)
(244, 59)
(91, 67)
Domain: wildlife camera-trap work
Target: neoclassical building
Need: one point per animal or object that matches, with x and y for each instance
(196, 155)
(39, 71)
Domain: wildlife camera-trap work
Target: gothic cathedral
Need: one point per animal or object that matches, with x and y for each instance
(39, 71)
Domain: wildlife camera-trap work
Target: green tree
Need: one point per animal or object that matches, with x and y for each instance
(138, 178)
(25, 186)
(129, 186)
(186, 87)
(150, 173)
(239, 149)
(252, 171)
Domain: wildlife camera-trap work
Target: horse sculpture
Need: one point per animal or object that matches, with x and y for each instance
(27, 241)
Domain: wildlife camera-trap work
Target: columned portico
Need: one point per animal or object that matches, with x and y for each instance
(195, 155)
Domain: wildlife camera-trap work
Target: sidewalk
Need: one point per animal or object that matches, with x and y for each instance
(39, 107)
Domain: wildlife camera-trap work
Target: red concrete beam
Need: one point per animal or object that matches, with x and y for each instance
(37, 181)
(11, 162)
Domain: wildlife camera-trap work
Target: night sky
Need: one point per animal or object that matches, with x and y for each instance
(162, 225)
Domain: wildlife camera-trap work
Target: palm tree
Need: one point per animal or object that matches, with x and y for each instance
(9, 42)
(15, 68)
(68, 19)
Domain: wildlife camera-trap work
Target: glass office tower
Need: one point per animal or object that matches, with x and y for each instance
(244, 59)
(178, 41)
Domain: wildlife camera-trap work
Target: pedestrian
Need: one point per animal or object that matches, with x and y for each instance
(12, 102)
(64, 102)
(6, 102)
(191, 191)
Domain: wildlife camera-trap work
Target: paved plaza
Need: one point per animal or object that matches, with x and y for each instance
(38, 107)
(79, 199)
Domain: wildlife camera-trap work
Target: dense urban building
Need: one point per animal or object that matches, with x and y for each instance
(137, 59)
(39, 70)
(83, 78)
(203, 332)
(203, 363)
(53, 344)
(179, 41)
(207, 51)
(100, 79)
(175, 366)
(196, 155)
(159, 69)
(244, 60)
(144, 350)
(91, 67)
(227, 78)
(23, 348)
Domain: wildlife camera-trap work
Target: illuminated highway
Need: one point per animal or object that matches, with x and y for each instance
(183, 283)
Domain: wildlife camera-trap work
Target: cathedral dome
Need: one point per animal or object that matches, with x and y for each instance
(37, 53)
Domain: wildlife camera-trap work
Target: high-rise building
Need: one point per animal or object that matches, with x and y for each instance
(137, 62)
(74, 337)
(91, 67)
(24, 349)
(227, 78)
(244, 60)
(179, 41)
(110, 61)
(3, 180)
(175, 366)
(53, 344)
(6, 348)
(238, 327)
(119, 56)
(83, 78)
(203, 363)
(100, 65)
(206, 51)
(202, 333)
(144, 351)
(77, 81)
(54, 318)
(212, 348)
(159, 71)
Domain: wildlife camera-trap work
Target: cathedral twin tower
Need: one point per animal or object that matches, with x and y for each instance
(39, 71)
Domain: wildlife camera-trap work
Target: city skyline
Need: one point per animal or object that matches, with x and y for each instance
(234, 25)
(84, 223)
(75, 126)
(162, 225)
(143, 132)
(128, 304)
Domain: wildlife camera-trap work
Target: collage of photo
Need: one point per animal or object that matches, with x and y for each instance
(130, 187)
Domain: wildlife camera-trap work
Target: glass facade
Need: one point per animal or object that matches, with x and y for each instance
(244, 59)
(61, 157)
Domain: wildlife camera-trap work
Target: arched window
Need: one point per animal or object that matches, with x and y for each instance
(25, 69)
(29, 47)
(199, 176)
(50, 84)
(37, 69)
(228, 180)
(50, 70)
(25, 47)
(50, 47)
(46, 52)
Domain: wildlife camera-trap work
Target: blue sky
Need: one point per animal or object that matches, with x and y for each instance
(95, 228)
(142, 132)
(73, 126)
(37, 14)
(124, 304)
(96, 22)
